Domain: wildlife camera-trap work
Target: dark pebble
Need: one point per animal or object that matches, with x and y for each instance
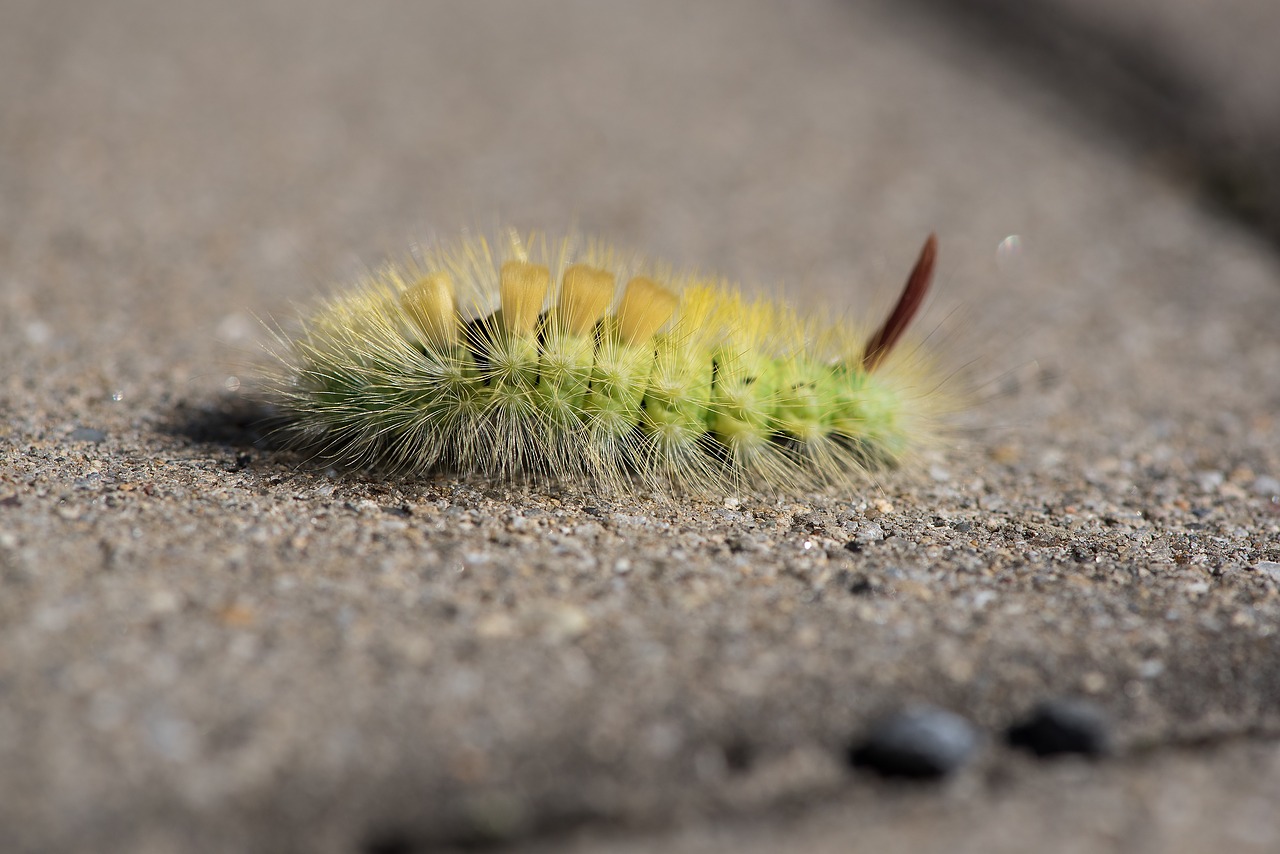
(87, 434)
(921, 743)
(1057, 727)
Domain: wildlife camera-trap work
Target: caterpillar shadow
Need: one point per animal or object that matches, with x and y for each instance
(231, 426)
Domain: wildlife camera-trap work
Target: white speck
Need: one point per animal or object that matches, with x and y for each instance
(117, 395)
(232, 383)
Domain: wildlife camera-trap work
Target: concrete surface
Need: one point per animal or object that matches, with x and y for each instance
(206, 645)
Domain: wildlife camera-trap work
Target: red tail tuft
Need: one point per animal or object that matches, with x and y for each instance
(900, 318)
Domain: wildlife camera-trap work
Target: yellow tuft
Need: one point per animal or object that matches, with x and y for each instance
(430, 303)
(585, 296)
(522, 290)
(645, 307)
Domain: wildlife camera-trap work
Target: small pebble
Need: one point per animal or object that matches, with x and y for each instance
(87, 434)
(1064, 726)
(922, 743)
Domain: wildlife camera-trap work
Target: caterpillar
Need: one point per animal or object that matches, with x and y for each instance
(522, 357)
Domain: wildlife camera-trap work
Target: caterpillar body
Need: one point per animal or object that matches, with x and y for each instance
(520, 357)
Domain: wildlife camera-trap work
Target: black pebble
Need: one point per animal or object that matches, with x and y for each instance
(1063, 726)
(921, 743)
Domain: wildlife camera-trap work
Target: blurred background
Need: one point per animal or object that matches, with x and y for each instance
(748, 136)
(1190, 86)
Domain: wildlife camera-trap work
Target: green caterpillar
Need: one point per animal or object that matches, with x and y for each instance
(531, 362)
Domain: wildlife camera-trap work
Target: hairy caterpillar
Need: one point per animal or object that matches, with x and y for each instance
(523, 357)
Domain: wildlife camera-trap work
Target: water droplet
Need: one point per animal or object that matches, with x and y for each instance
(1009, 253)
(117, 395)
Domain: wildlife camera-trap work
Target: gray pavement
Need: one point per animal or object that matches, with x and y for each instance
(206, 645)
